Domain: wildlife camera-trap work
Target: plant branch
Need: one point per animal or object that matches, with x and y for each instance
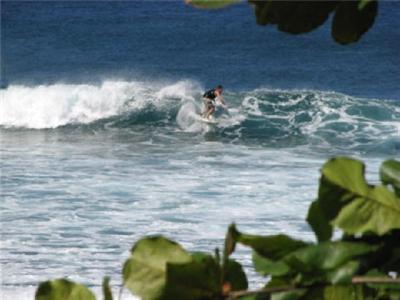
(285, 288)
(365, 279)
(237, 294)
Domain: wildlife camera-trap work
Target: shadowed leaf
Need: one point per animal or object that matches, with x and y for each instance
(319, 222)
(235, 276)
(352, 20)
(196, 279)
(272, 247)
(293, 16)
(106, 289)
(63, 289)
(327, 255)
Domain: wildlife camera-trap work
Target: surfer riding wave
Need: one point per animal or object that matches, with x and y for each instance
(210, 97)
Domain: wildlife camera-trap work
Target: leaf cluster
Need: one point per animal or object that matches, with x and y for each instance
(351, 19)
(356, 266)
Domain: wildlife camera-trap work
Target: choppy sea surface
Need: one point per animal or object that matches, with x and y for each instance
(101, 142)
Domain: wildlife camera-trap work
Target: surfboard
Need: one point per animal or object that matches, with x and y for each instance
(208, 121)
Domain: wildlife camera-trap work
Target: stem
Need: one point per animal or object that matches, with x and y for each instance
(120, 292)
(284, 288)
(361, 280)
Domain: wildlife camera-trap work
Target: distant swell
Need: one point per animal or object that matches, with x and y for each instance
(268, 116)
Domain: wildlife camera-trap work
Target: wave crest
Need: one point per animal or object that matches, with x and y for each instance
(286, 117)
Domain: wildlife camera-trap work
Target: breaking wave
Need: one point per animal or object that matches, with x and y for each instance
(268, 116)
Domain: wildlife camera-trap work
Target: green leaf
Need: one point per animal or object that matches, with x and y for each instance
(266, 266)
(293, 16)
(341, 180)
(350, 22)
(196, 279)
(235, 275)
(327, 255)
(63, 289)
(363, 3)
(381, 287)
(290, 295)
(344, 273)
(144, 273)
(347, 174)
(347, 292)
(273, 247)
(319, 222)
(230, 241)
(106, 289)
(390, 174)
(346, 200)
(211, 4)
(378, 212)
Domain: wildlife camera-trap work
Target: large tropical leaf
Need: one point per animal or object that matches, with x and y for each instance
(378, 212)
(328, 262)
(327, 255)
(144, 273)
(346, 200)
(63, 289)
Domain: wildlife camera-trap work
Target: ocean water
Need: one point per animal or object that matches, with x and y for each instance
(101, 143)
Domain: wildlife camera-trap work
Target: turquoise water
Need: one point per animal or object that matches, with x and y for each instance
(101, 143)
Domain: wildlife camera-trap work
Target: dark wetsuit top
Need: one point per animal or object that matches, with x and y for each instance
(210, 94)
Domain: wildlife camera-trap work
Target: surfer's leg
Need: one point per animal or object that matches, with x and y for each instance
(210, 111)
(206, 107)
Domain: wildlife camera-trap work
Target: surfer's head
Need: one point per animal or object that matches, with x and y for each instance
(219, 88)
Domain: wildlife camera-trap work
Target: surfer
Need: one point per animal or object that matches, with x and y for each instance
(209, 99)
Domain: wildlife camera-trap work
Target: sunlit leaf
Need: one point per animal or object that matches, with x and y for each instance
(144, 273)
(267, 266)
(378, 212)
(344, 273)
(346, 200)
(211, 4)
(347, 292)
(390, 174)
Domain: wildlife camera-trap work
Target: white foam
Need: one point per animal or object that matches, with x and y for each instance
(51, 106)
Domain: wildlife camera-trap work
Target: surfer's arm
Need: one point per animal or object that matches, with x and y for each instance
(221, 99)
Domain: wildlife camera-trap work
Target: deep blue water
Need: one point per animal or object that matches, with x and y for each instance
(86, 41)
(101, 143)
